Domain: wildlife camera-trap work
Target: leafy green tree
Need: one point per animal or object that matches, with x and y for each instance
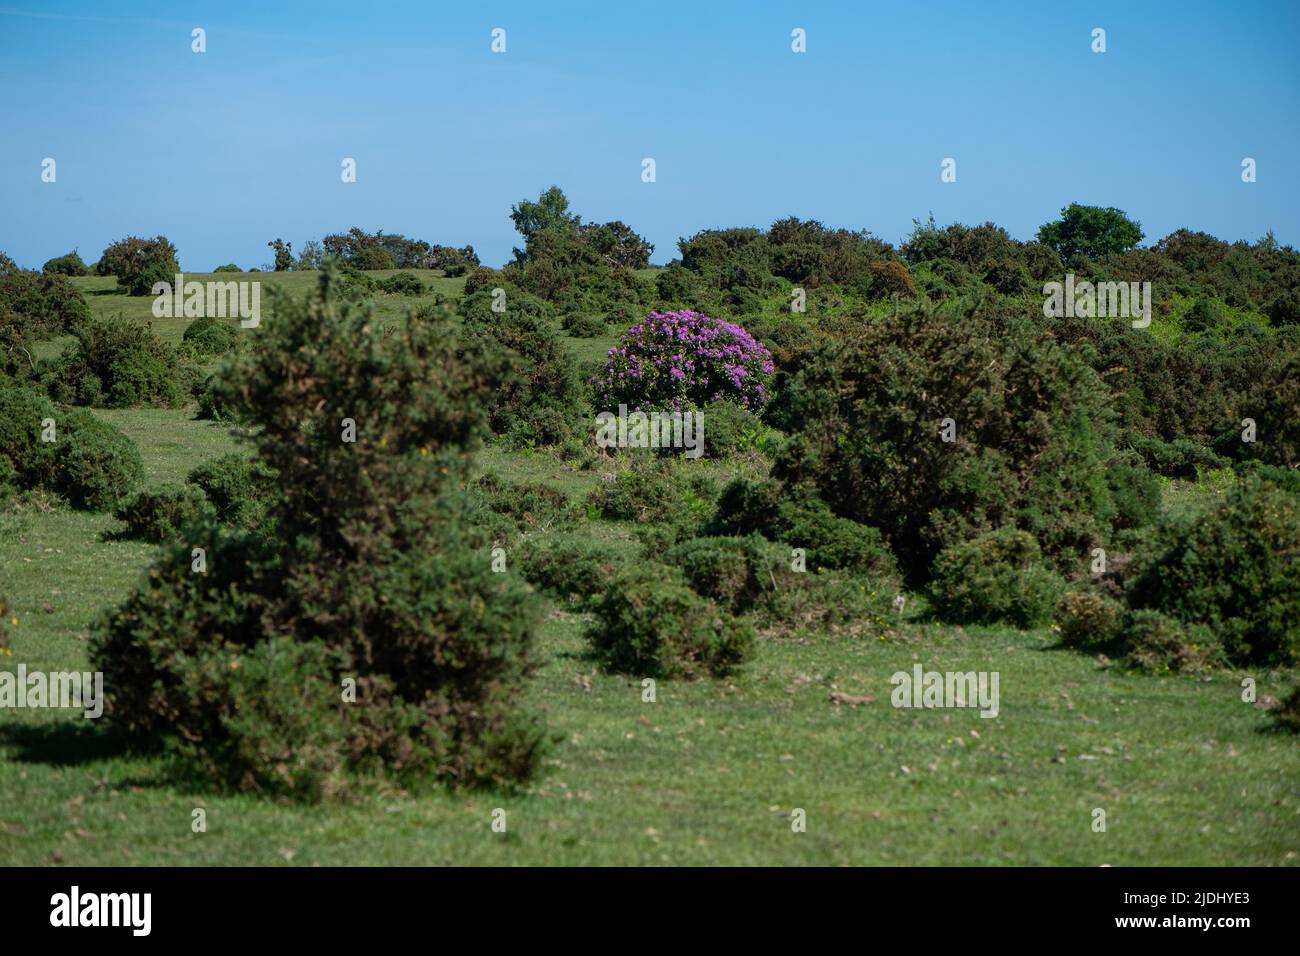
(551, 211)
(1091, 231)
(283, 254)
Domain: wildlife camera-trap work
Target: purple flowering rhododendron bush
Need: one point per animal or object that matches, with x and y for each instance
(674, 360)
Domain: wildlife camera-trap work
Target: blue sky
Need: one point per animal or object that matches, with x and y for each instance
(225, 150)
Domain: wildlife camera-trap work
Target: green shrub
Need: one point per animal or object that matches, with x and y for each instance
(654, 491)
(117, 365)
(1153, 641)
(1234, 569)
(541, 400)
(365, 560)
(1032, 434)
(1088, 620)
(228, 267)
(1134, 494)
(568, 567)
(139, 263)
(1288, 715)
(98, 466)
(583, 326)
(650, 623)
(240, 489)
(69, 264)
(208, 336)
(158, 514)
(997, 576)
(731, 429)
(801, 520)
(403, 283)
(22, 411)
(738, 573)
(528, 505)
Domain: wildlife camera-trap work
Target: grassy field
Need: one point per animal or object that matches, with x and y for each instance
(708, 774)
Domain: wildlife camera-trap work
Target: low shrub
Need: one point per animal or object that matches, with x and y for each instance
(158, 514)
(1088, 621)
(403, 283)
(98, 465)
(654, 491)
(209, 336)
(69, 264)
(529, 505)
(650, 623)
(568, 567)
(1153, 641)
(994, 577)
(240, 489)
(116, 365)
(738, 573)
(1235, 569)
(583, 326)
(800, 519)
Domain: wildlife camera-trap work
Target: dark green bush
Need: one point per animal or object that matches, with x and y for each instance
(139, 263)
(997, 576)
(654, 491)
(366, 560)
(158, 514)
(240, 489)
(117, 365)
(22, 411)
(1153, 641)
(738, 573)
(801, 520)
(1031, 427)
(69, 264)
(403, 283)
(1234, 569)
(541, 401)
(650, 623)
(1088, 621)
(228, 267)
(208, 336)
(529, 505)
(583, 326)
(731, 429)
(98, 466)
(569, 567)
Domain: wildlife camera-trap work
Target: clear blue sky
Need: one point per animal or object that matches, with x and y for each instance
(226, 150)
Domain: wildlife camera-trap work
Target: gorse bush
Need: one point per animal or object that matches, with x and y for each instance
(529, 505)
(1028, 419)
(139, 263)
(98, 466)
(403, 283)
(540, 400)
(343, 588)
(117, 365)
(240, 489)
(69, 264)
(90, 462)
(997, 576)
(158, 514)
(209, 336)
(650, 623)
(799, 519)
(1234, 569)
(569, 567)
(677, 359)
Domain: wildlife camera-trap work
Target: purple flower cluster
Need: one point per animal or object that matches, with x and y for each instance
(673, 360)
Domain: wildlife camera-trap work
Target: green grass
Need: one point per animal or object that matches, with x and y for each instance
(707, 774)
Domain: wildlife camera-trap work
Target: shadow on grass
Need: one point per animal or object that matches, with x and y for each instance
(62, 743)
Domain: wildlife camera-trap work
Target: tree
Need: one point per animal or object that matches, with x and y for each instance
(1090, 231)
(549, 212)
(283, 254)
